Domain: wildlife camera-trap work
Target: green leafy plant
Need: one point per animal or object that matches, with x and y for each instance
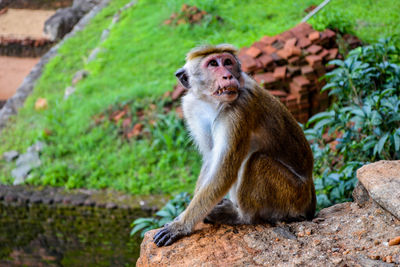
(167, 214)
(362, 125)
(332, 19)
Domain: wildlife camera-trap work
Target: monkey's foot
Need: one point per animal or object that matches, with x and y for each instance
(225, 212)
(169, 234)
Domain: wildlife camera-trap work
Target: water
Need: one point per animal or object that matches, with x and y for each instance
(59, 235)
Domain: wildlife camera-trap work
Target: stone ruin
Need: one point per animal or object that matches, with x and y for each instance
(290, 66)
(188, 15)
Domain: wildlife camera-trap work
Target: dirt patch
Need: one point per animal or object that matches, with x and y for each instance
(23, 23)
(12, 73)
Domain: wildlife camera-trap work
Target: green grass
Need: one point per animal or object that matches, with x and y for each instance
(137, 63)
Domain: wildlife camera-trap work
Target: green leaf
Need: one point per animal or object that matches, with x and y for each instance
(359, 112)
(396, 139)
(323, 123)
(381, 143)
(164, 213)
(319, 116)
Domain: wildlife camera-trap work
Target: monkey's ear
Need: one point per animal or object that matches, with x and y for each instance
(183, 77)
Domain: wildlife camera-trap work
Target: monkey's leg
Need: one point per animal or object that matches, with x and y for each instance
(225, 212)
(270, 191)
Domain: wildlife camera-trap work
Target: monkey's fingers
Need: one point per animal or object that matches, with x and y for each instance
(160, 235)
(165, 237)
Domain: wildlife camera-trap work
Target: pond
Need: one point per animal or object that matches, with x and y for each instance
(37, 234)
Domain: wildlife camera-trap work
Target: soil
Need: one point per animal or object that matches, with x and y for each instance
(23, 23)
(12, 72)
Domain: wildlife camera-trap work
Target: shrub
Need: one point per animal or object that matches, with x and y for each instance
(364, 121)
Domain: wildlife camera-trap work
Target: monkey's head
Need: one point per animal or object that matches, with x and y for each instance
(212, 72)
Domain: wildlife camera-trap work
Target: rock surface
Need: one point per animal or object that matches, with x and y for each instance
(382, 181)
(347, 234)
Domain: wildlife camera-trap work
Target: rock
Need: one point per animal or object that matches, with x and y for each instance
(346, 234)
(26, 162)
(10, 155)
(20, 173)
(85, 5)
(93, 54)
(37, 147)
(69, 91)
(30, 158)
(79, 75)
(382, 181)
(62, 22)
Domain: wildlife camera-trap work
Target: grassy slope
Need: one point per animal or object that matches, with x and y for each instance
(137, 62)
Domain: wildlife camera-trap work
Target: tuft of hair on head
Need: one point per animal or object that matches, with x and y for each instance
(205, 50)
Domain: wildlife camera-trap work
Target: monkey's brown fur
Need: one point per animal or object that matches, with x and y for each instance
(251, 145)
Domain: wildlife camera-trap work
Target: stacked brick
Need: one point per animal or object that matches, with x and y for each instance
(26, 47)
(290, 64)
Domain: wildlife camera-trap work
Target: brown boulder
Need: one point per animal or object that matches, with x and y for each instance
(382, 181)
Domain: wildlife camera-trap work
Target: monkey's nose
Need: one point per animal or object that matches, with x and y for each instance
(227, 77)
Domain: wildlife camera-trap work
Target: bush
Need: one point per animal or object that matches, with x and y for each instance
(363, 122)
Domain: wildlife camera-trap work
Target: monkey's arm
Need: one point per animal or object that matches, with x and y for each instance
(218, 179)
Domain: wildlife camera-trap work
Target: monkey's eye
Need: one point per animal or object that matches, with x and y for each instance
(228, 62)
(213, 63)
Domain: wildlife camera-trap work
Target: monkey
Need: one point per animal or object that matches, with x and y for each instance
(251, 146)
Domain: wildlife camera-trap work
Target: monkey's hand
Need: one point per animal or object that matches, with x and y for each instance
(170, 233)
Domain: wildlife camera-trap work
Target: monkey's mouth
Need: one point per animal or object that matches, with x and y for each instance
(226, 91)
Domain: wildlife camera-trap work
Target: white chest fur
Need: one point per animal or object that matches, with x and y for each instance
(200, 116)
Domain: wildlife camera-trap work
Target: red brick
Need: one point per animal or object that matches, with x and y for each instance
(314, 49)
(319, 69)
(301, 30)
(290, 43)
(303, 118)
(329, 33)
(292, 70)
(301, 81)
(248, 63)
(278, 93)
(306, 70)
(278, 44)
(268, 40)
(313, 36)
(260, 66)
(294, 60)
(269, 49)
(259, 45)
(266, 60)
(303, 42)
(280, 73)
(276, 57)
(333, 53)
(243, 51)
(304, 104)
(264, 78)
(286, 35)
(324, 53)
(253, 52)
(296, 51)
(313, 60)
(284, 53)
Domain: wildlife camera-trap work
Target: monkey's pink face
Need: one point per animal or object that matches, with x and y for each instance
(224, 71)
